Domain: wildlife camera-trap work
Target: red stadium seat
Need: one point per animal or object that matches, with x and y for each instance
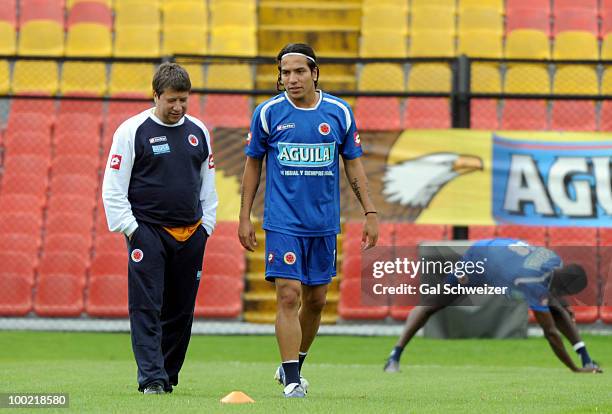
(81, 224)
(41, 10)
(8, 12)
(350, 305)
(101, 223)
(27, 184)
(27, 244)
(76, 164)
(224, 245)
(606, 116)
(582, 19)
(33, 143)
(560, 5)
(69, 243)
(410, 234)
(512, 5)
(606, 22)
(127, 109)
(85, 123)
(90, 12)
(27, 164)
(227, 111)
(109, 264)
(572, 236)
(44, 109)
(219, 297)
(533, 235)
(195, 105)
(378, 113)
(108, 296)
(230, 265)
(20, 223)
(77, 144)
(522, 114)
(15, 295)
(481, 232)
(70, 203)
(25, 124)
(59, 294)
(74, 184)
(109, 243)
(63, 263)
(483, 114)
(226, 229)
(351, 267)
(427, 113)
(528, 18)
(573, 116)
(20, 203)
(95, 107)
(17, 263)
(585, 314)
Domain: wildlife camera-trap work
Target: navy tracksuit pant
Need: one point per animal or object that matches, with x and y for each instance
(163, 279)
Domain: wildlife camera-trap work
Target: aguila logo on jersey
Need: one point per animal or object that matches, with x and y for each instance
(115, 161)
(248, 138)
(306, 155)
(270, 257)
(137, 255)
(289, 258)
(193, 140)
(324, 128)
(357, 139)
(211, 162)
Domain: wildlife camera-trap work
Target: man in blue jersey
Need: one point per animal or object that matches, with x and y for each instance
(159, 191)
(538, 274)
(302, 133)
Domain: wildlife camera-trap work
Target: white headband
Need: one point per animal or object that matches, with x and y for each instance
(298, 54)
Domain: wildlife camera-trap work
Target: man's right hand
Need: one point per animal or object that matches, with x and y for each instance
(246, 234)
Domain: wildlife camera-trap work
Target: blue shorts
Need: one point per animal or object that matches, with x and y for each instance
(311, 260)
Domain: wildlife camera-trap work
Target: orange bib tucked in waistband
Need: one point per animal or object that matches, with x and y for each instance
(183, 233)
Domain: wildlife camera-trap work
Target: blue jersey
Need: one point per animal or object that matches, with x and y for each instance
(302, 146)
(517, 265)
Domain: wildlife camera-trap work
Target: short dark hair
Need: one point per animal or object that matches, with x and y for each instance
(568, 280)
(171, 76)
(297, 48)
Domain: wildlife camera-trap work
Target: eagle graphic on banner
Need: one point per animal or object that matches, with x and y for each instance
(414, 183)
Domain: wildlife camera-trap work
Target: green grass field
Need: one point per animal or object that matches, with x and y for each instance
(345, 373)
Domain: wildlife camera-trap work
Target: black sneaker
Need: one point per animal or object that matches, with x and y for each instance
(154, 388)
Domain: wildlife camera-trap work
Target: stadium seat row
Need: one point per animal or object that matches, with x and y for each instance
(97, 79)
(597, 260)
(484, 18)
(488, 78)
(519, 44)
(392, 114)
(46, 38)
(57, 284)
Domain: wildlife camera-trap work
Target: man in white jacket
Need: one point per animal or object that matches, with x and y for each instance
(159, 191)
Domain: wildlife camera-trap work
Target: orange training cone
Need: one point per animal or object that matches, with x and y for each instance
(237, 397)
